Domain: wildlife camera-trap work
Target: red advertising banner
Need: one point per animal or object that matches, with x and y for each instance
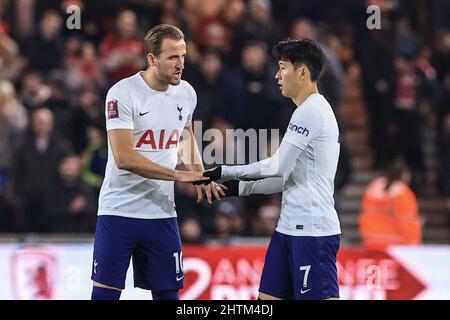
(222, 273)
(375, 275)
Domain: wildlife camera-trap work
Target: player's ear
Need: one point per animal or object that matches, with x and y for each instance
(151, 59)
(302, 72)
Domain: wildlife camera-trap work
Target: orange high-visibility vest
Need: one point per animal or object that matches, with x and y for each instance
(389, 217)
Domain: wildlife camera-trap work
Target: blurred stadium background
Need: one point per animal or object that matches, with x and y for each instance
(389, 87)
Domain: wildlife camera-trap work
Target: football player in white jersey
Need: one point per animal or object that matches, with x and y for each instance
(301, 258)
(145, 117)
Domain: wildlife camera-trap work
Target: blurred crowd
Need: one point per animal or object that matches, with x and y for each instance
(53, 81)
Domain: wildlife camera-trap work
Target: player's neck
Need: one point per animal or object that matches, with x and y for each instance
(304, 93)
(153, 82)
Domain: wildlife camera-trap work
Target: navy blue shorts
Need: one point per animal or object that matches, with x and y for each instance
(301, 268)
(154, 244)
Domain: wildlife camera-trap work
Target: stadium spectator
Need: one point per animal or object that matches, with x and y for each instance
(258, 25)
(378, 80)
(10, 61)
(83, 67)
(444, 181)
(191, 231)
(389, 211)
(45, 49)
(34, 91)
(227, 221)
(441, 63)
(70, 204)
(258, 93)
(9, 217)
(413, 92)
(217, 31)
(233, 16)
(13, 122)
(209, 78)
(122, 50)
(267, 218)
(88, 111)
(94, 157)
(36, 168)
(58, 103)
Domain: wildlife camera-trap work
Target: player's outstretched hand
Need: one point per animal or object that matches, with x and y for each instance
(219, 190)
(212, 174)
(189, 176)
(211, 190)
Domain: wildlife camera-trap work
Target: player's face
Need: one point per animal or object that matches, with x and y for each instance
(170, 62)
(288, 78)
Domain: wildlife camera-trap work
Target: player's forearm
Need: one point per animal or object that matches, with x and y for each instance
(263, 186)
(280, 164)
(154, 175)
(134, 162)
(189, 152)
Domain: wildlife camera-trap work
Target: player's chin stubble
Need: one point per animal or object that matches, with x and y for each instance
(164, 77)
(172, 80)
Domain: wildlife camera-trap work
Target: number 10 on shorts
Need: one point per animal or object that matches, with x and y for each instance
(178, 256)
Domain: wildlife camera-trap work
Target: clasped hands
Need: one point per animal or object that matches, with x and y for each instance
(210, 187)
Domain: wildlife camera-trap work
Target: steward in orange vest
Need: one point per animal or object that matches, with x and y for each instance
(389, 212)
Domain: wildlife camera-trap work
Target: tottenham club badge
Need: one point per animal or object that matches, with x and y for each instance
(180, 117)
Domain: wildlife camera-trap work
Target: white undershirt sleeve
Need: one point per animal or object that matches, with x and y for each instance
(280, 164)
(263, 186)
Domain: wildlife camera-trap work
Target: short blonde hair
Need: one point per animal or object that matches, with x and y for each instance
(155, 36)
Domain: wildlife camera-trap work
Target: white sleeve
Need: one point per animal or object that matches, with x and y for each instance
(280, 164)
(306, 123)
(118, 109)
(263, 186)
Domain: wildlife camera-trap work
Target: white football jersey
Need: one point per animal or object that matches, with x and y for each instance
(307, 198)
(157, 120)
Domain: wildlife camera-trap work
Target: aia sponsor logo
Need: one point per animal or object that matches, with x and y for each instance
(158, 140)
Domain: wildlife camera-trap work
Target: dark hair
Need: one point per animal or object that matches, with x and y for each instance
(395, 171)
(154, 38)
(304, 51)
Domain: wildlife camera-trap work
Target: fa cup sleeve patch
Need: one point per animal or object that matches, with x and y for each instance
(113, 109)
